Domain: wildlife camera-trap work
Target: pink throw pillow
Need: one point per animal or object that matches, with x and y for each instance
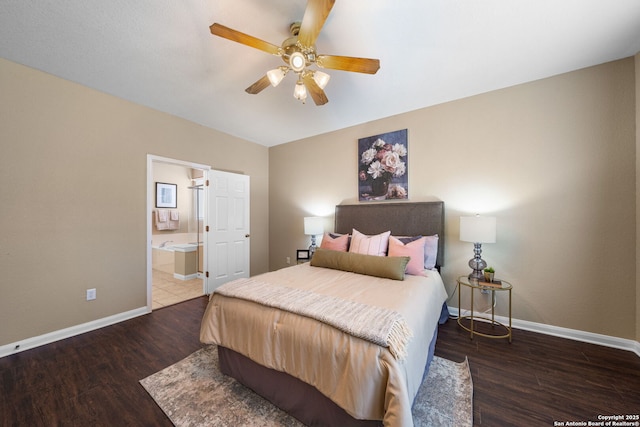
(369, 245)
(338, 243)
(414, 250)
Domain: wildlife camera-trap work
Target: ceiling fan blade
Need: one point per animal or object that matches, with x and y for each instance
(348, 63)
(258, 86)
(314, 17)
(237, 36)
(316, 92)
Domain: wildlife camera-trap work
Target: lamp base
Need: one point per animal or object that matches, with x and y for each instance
(476, 263)
(312, 247)
(476, 275)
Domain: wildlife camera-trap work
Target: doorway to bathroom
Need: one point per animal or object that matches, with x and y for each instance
(198, 228)
(177, 213)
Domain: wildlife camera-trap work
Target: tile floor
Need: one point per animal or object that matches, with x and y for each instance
(168, 290)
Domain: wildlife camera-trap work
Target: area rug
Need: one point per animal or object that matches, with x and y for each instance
(193, 392)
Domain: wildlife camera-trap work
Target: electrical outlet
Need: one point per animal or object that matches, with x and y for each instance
(91, 294)
(288, 260)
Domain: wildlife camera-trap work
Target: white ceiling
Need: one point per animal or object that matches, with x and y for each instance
(160, 53)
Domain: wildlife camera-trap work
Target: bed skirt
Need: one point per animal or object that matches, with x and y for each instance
(294, 396)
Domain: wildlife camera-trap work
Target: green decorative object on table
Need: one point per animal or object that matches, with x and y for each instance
(489, 273)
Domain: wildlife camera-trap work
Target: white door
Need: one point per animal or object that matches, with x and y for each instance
(227, 228)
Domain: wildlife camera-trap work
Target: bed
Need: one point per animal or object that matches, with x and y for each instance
(330, 371)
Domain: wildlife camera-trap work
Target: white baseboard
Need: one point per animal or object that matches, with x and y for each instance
(185, 277)
(61, 334)
(557, 331)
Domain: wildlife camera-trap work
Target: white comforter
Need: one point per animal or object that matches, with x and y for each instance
(361, 377)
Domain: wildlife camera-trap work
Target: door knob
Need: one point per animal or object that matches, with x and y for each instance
(247, 235)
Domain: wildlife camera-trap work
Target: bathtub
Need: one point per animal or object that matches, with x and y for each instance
(175, 254)
(167, 241)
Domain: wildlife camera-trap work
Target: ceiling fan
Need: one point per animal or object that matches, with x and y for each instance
(299, 53)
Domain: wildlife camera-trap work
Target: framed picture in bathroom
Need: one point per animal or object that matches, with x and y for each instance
(166, 195)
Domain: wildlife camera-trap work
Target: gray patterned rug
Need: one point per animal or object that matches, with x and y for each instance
(193, 392)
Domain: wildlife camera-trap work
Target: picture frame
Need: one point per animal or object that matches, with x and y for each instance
(166, 195)
(302, 255)
(383, 171)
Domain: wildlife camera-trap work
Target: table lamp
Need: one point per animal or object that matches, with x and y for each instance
(477, 230)
(313, 225)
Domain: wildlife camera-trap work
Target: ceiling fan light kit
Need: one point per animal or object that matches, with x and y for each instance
(297, 61)
(299, 53)
(300, 92)
(321, 78)
(276, 75)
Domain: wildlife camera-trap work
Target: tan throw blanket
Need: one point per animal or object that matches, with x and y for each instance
(378, 325)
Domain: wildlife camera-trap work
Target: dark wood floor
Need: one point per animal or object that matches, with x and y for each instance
(92, 379)
(539, 379)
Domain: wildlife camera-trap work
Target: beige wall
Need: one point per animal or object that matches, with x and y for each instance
(553, 159)
(73, 175)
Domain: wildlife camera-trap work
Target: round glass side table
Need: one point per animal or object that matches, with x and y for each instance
(472, 285)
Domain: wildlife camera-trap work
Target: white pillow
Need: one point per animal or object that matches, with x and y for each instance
(431, 252)
(369, 245)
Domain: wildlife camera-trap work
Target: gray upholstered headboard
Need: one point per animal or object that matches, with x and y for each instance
(403, 219)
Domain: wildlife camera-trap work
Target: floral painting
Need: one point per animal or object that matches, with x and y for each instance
(382, 169)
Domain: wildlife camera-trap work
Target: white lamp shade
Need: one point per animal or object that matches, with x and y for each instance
(478, 229)
(275, 76)
(300, 92)
(313, 225)
(321, 78)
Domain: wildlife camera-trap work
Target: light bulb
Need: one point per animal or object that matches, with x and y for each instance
(297, 61)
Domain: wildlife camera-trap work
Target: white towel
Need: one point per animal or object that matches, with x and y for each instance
(175, 215)
(162, 215)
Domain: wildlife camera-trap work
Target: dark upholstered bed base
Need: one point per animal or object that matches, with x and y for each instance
(296, 397)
